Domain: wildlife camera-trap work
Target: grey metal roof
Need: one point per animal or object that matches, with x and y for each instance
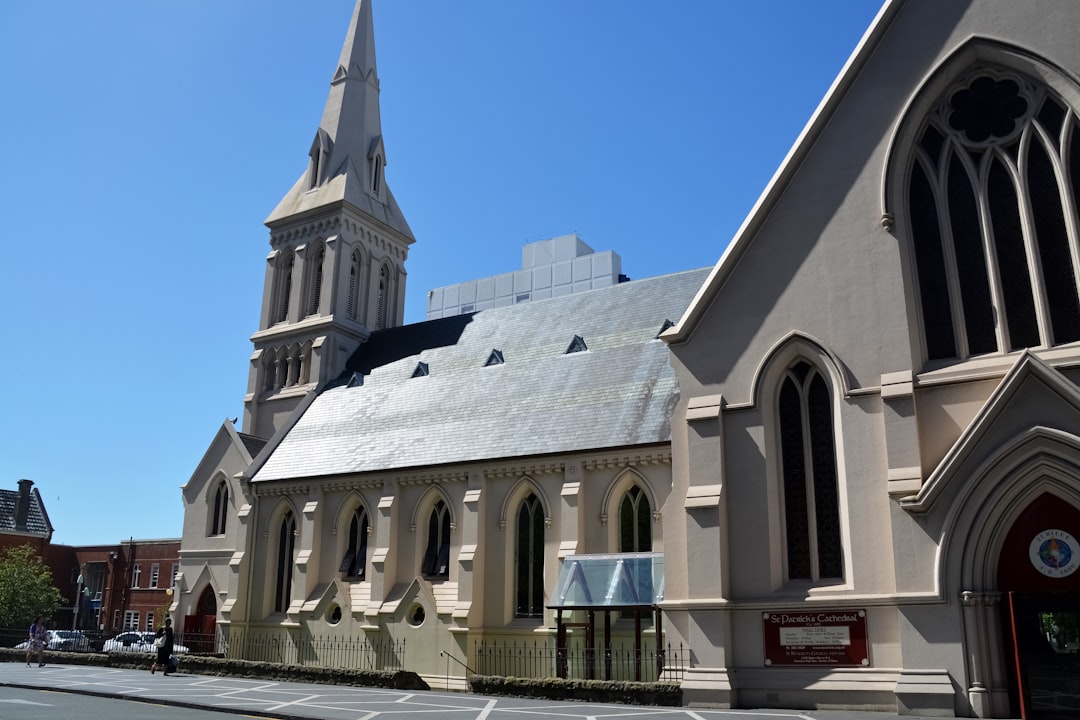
(37, 521)
(620, 392)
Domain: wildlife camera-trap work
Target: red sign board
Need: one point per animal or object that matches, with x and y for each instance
(815, 637)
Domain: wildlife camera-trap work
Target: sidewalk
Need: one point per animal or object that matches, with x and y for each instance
(289, 701)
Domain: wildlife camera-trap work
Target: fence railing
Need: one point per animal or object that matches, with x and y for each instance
(295, 647)
(540, 659)
(523, 659)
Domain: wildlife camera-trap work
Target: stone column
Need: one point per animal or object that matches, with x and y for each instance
(978, 695)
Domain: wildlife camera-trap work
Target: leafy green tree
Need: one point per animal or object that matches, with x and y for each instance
(26, 588)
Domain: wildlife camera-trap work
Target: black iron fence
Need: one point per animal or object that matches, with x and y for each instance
(296, 647)
(541, 659)
(57, 640)
(523, 659)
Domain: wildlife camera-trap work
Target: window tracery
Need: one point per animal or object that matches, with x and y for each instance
(994, 224)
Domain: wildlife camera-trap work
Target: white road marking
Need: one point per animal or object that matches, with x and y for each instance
(25, 702)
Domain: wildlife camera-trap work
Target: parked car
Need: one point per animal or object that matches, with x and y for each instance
(133, 641)
(69, 640)
(63, 640)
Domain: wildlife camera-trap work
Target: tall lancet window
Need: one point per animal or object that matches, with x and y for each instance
(286, 545)
(283, 267)
(993, 202)
(356, 268)
(436, 563)
(354, 564)
(810, 486)
(376, 175)
(320, 158)
(221, 509)
(382, 301)
(314, 261)
(635, 530)
(529, 559)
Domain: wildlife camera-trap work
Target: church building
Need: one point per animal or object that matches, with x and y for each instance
(841, 467)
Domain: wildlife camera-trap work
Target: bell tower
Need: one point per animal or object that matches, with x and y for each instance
(336, 268)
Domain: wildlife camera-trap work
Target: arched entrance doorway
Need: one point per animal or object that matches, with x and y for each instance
(199, 628)
(1039, 578)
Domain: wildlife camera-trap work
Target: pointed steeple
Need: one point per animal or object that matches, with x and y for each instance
(339, 243)
(347, 157)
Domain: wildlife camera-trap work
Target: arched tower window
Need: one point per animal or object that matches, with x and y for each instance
(436, 563)
(221, 509)
(377, 164)
(314, 265)
(993, 208)
(635, 528)
(382, 301)
(810, 486)
(283, 268)
(354, 564)
(356, 267)
(529, 559)
(286, 544)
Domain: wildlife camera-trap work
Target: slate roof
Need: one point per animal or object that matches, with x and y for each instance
(37, 521)
(252, 444)
(620, 392)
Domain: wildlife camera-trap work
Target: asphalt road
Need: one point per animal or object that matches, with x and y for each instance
(95, 693)
(21, 704)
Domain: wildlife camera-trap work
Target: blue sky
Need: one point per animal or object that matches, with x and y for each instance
(143, 144)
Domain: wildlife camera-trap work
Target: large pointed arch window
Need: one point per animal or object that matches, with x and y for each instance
(529, 559)
(635, 529)
(221, 509)
(809, 477)
(354, 564)
(436, 564)
(286, 545)
(993, 214)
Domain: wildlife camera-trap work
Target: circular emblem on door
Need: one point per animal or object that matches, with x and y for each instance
(1054, 553)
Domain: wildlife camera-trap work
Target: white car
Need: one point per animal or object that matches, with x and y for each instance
(132, 641)
(69, 640)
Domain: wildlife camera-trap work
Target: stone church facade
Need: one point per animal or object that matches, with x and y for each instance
(855, 442)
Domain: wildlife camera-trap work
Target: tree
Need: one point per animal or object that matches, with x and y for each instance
(26, 588)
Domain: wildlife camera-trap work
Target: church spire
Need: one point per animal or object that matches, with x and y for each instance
(347, 157)
(339, 242)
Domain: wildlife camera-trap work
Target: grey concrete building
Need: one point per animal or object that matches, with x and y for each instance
(549, 268)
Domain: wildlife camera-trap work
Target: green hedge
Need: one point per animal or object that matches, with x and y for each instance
(627, 693)
(204, 665)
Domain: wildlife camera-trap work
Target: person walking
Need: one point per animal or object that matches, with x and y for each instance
(35, 644)
(163, 642)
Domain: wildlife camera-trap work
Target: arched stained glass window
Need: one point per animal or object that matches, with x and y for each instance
(529, 559)
(354, 564)
(993, 214)
(436, 563)
(221, 509)
(286, 545)
(635, 526)
(810, 486)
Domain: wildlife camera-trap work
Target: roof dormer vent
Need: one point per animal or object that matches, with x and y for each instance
(576, 345)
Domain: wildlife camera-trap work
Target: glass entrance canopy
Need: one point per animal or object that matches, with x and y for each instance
(610, 580)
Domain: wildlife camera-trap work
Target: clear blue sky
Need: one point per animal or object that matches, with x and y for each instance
(144, 142)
